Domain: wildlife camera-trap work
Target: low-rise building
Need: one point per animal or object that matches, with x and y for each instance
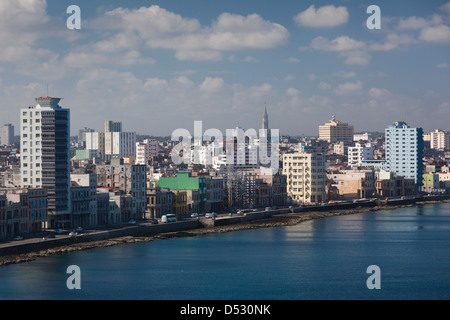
(159, 202)
(353, 184)
(388, 184)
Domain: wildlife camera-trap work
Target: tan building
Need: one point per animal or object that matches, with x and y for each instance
(335, 131)
(306, 177)
(159, 202)
(353, 184)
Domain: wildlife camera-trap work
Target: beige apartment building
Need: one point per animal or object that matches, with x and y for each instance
(335, 131)
(306, 177)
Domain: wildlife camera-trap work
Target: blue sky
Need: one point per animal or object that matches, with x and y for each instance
(160, 65)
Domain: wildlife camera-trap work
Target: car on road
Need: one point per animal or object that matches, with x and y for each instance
(131, 222)
(18, 238)
(194, 215)
(58, 231)
(73, 234)
(210, 215)
(79, 229)
(51, 235)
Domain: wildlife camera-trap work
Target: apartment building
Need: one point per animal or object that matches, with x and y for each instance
(404, 151)
(440, 140)
(306, 177)
(146, 150)
(45, 155)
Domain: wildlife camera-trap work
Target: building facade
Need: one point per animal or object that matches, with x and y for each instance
(359, 153)
(306, 177)
(45, 155)
(335, 131)
(7, 135)
(146, 150)
(404, 151)
(440, 140)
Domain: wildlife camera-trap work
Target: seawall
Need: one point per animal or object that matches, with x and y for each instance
(134, 231)
(202, 223)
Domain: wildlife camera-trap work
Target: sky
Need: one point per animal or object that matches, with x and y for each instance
(158, 66)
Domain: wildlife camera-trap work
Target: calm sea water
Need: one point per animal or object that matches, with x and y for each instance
(321, 259)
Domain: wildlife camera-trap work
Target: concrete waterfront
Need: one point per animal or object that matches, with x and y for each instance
(16, 252)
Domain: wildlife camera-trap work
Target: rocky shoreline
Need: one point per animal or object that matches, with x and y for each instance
(273, 221)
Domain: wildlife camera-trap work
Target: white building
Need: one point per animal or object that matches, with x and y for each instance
(440, 140)
(112, 144)
(361, 136)
(45, 155)
(404, 151)
(146, 150)
(306, 176)
(120, 144)
(359, 153)
(7, 135)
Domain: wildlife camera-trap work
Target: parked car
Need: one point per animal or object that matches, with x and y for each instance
(194, 215)
(51, 235)
(59, 231)
(79, 229)
(18, 238)
(131, 222)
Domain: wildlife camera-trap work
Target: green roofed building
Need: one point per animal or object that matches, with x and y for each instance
(185, 181)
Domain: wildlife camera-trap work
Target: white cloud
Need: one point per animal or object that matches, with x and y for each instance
(393, 41)
(202, 55)
(289, 77)
(440, 34)
(251, 59)
(412, 23)
(326, 16)
(348, 88)
(443, 65)
(357, 57)
(292, 92)
(323, 85)
(162, 29)
(378, 93)
(446, 7)
(155, 84)
(212, 84)
(346, 74)
(343, 43)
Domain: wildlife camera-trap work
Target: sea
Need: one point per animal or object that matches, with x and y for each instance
(398, 254)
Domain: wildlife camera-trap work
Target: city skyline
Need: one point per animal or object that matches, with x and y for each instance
(161, 65)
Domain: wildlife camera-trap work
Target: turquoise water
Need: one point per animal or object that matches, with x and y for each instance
(320, 259)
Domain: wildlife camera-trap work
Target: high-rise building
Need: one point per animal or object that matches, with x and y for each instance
(440, 140)
(306, 177)
(404, 151)
(146, 150)
(335, 131)
(113, 143)
(112, 126)
(45, 155)
(359, 153)
(7, 135)
(82, 136)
